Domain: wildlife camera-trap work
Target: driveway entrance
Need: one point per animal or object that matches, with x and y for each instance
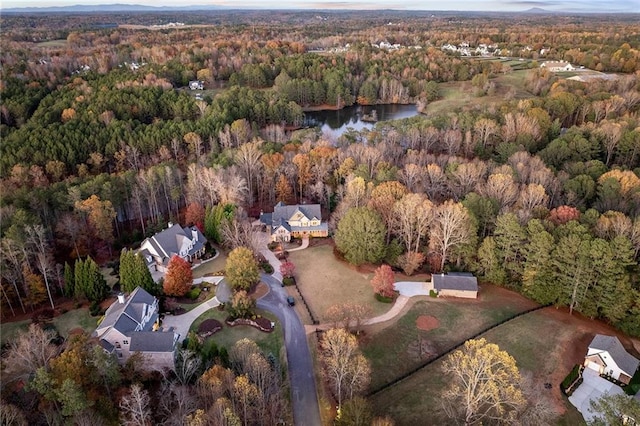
(592, 388)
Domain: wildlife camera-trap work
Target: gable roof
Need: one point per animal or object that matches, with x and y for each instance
(152, 341)
(625, 361)
(125, 317)
(284, 212)
(173, 240)
(455, 281)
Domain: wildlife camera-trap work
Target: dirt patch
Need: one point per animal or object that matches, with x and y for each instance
(427, 322)
(261, 290)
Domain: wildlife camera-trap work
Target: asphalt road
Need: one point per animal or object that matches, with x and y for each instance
(306, 411)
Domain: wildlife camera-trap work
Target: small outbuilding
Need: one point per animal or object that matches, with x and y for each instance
(456, 284)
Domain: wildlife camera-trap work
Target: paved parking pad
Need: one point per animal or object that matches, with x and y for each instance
(592, 388)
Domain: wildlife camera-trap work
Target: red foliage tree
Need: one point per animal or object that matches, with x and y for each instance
(195, 215)
(563, 214)
(178, 280)
(287, 269)
(382, 282)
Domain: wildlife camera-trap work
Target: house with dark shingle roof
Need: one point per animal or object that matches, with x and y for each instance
(188, 243)
(607, 356)
(455, 284)
(299, 220)
(130, 325)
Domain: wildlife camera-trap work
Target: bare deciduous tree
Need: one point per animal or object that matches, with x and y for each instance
(451, 227)
(134, 407)
(29, 351)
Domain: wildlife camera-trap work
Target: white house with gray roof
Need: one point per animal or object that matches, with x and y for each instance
(187, 242)
(130, 325)
(607, 356)
(299, 220)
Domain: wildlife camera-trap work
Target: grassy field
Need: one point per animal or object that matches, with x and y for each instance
(269, 342)
(324, 281)
(53, 43)
(396, 349)
(545, 345)
(460, 95)
(76, 318)
(212, 266)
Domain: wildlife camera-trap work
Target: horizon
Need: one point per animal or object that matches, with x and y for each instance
(583, 6)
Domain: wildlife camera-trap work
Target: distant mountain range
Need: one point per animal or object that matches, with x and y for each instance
(118, 7)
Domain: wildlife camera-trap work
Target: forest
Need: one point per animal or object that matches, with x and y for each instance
(103, 142)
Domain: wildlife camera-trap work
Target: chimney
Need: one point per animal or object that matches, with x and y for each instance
(121, 298)
(169, 225)
(194, 234)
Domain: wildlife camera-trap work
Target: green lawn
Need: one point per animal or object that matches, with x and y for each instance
(396, 349)
(8, 330)
(269, 342)
(77, 318)
(53, 43)
(325, 281)
(538, 341)
(212, 266)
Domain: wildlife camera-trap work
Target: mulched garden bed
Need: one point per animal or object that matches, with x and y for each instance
(209, 327)
(261, 323)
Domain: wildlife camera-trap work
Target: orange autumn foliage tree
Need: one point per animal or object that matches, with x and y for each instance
(178, 280)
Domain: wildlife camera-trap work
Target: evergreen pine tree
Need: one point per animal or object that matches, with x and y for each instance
(69, 280)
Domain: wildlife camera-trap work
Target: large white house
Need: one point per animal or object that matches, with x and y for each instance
(607, 356)
(557, 66)
(188, 243)
(130, 325)
(299, 220)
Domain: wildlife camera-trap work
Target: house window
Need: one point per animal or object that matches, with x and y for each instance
(125, 342)
(117, 345)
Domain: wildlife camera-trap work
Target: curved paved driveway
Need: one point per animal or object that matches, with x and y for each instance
(306, 411)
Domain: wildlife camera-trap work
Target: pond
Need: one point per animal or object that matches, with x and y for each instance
(334, 123)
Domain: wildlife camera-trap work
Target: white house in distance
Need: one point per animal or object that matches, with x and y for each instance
(557, 66)
(455, 284)
(188, 243)
(299, 220)
(130, 325)
(607, 356)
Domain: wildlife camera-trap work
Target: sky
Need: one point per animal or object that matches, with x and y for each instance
(461, 5)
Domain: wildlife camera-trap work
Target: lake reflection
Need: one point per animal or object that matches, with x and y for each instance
(334, 123)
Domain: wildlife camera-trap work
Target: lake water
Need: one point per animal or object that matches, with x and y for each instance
(335, 123)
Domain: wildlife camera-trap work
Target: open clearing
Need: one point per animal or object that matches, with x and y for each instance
(324, 281)
(545, 344)
(76, 318)
(460, 95)
(402, 346)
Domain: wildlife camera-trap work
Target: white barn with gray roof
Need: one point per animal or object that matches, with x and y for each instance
(130, 325)
(456, 284)
(607, 356)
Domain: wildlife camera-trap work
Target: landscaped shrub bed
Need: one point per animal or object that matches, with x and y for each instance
(572, 381)
(261, 323)
(634, 384)
(209, 327)
(383, 299)
(266, 267)
(288, 281)
(194, 293)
